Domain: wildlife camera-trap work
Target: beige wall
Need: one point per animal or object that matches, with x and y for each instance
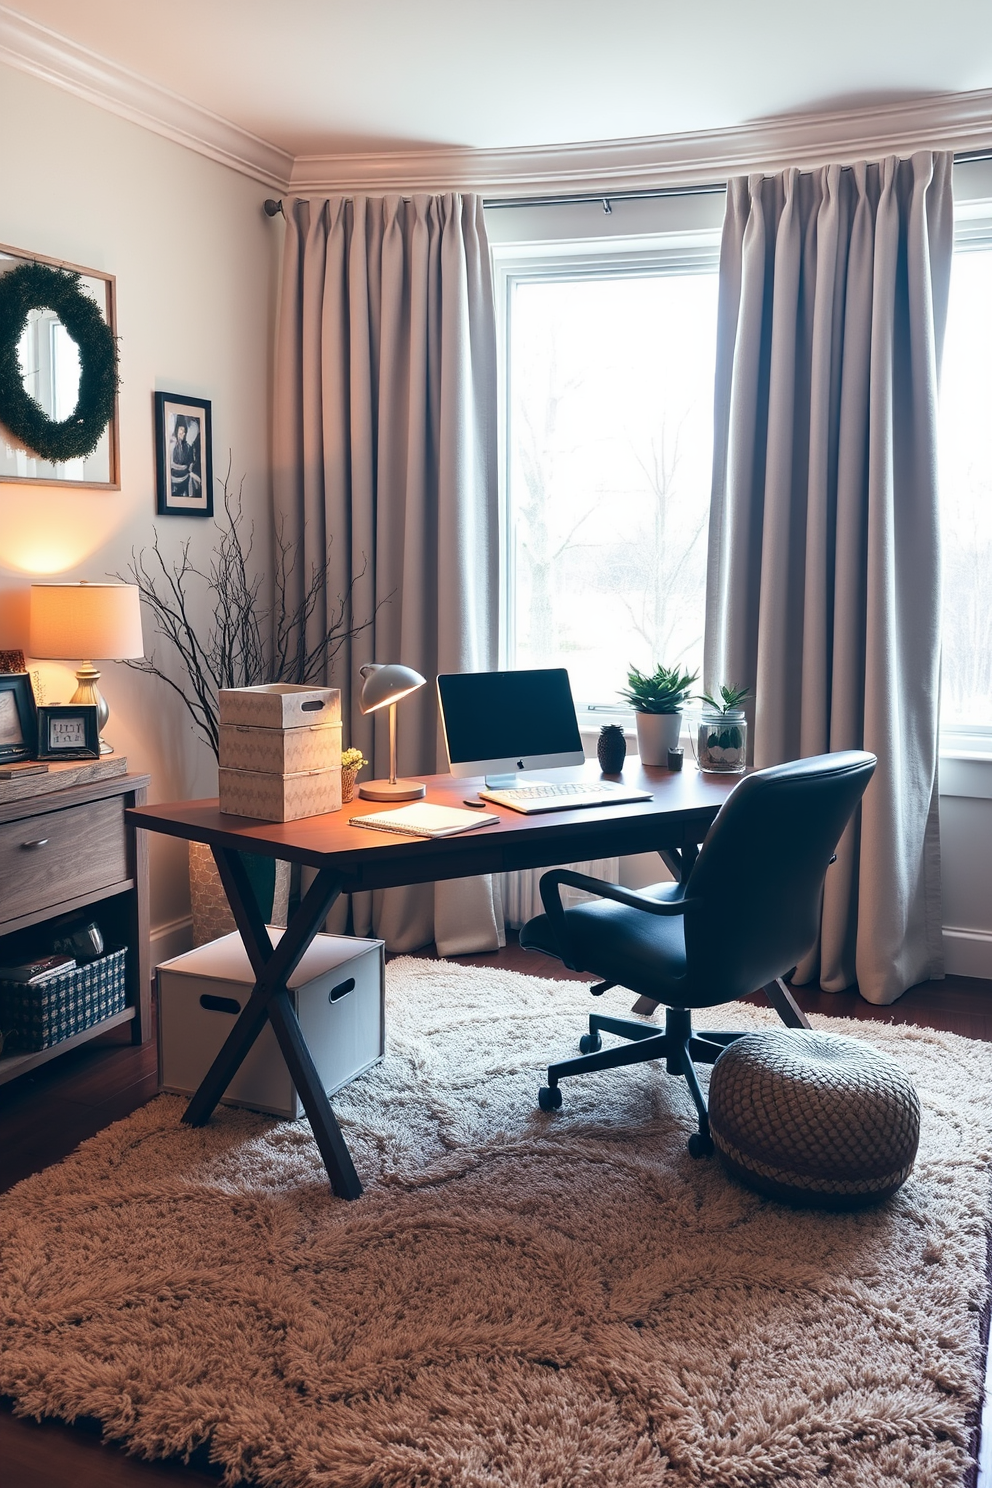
(196, 263)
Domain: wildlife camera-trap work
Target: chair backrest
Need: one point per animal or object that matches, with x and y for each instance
(759, 875)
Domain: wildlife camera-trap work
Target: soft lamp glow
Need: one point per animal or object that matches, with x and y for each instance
(387, 684)
(86, 621)
(384, 686)
(96, 621)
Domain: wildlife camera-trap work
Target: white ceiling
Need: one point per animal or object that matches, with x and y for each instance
(321, 77)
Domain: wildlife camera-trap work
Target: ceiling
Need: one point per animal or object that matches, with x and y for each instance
(328, 77)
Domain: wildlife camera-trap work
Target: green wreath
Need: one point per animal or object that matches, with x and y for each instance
(34, 286)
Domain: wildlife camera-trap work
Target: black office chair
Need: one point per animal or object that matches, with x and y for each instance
(747, 912)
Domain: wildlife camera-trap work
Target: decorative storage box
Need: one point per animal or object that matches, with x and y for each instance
(33, 1018)
(280, 751)
(338, 993)
(279, 705)
(279, 798)
(292, 751)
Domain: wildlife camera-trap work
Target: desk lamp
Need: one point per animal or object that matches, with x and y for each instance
(69, 621)
(384, 686)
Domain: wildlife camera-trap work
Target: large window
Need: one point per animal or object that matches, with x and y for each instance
(609, 417)
(966, 489)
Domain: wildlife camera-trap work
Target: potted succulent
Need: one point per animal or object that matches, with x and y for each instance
(722, 735)
(658, 699)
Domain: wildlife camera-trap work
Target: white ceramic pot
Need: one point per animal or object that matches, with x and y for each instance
(657, 733)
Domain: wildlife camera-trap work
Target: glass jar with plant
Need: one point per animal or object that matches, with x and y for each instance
(658, 699)
(722, 732)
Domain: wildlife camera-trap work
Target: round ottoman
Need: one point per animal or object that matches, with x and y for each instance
(813, 1118)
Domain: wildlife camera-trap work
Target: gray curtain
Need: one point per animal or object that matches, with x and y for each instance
(823, 589)
(384, 445)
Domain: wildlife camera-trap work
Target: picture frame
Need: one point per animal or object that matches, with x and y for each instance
(184, 468)
(100, 470)
(68, 731)
(18, 717)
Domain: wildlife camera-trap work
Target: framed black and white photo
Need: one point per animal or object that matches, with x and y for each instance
(183, 456)
(18, 722)
(68, 731)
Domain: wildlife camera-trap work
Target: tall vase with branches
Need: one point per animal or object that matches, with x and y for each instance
(248, 640)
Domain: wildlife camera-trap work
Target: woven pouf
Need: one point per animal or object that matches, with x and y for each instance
(813, 1118)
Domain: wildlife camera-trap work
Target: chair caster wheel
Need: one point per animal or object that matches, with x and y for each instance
(700, 1146)
(549, 1097)
(590, 1043)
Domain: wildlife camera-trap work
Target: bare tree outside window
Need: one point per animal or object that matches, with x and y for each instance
(610, 416)
(966, 492)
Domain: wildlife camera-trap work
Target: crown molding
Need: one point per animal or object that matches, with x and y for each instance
(33, 48)
(958, 121)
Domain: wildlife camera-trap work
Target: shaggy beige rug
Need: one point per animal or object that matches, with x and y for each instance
(518, 1299)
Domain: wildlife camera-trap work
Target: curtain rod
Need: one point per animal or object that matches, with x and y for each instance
(274, 207)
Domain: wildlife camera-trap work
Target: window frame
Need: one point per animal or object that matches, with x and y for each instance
(972, 233)
(695, 251)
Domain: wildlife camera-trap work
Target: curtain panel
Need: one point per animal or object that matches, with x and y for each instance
(384, 453)
(823, 586)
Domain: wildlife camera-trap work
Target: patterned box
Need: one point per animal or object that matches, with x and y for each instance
(279, 705)
(279, 798)
(280, 751)
(33, 1018)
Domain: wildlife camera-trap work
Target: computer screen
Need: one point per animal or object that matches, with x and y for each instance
(507, 722)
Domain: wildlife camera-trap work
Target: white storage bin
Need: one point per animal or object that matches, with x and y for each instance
(338, 991)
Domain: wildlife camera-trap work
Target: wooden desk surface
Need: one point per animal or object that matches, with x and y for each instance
(683, 805)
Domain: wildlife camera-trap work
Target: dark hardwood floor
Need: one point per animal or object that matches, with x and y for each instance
(47, 1113)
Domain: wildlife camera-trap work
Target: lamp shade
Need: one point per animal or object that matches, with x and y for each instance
(386, 684)
(94, 621)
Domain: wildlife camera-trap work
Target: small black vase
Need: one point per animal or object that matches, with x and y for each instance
(611, 751)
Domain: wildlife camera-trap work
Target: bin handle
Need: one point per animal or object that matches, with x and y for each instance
(220, 1004)
(341, 990)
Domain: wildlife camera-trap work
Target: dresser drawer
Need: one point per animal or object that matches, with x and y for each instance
(59, 855)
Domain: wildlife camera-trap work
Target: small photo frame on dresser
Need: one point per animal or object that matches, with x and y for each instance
(18, 722)
(68, 731)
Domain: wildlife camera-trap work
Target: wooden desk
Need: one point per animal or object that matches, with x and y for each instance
(348, 859)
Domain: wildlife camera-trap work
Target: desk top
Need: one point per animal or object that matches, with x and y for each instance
(683, 805)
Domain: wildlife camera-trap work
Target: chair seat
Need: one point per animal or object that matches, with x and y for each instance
(641, 951)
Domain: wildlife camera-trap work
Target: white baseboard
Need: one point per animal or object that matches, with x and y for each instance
(967, 952)
(171, 939)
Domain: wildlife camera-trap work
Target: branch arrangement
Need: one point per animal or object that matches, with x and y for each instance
(247, 643)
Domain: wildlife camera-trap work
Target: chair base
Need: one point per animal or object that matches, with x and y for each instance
(680, 1046)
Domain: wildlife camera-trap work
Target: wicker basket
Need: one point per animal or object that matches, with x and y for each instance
(33, 1018)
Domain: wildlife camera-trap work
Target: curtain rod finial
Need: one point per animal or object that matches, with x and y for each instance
(272, 207)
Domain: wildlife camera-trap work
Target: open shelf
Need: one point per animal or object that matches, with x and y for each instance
(12, 1065)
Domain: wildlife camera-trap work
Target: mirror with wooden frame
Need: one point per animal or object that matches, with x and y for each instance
(50, 367)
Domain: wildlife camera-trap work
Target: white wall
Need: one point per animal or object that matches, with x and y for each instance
(196, 263)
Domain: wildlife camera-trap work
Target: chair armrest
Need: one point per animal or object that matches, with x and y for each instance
(555, 910)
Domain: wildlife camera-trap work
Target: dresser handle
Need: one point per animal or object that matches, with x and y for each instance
(42, 842)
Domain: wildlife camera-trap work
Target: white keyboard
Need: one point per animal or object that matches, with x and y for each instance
(563, 795)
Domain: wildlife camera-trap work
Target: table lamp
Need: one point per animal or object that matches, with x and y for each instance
(384, 687)
(69, 621)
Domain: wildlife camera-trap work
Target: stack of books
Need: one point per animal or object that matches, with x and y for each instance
(35, 973)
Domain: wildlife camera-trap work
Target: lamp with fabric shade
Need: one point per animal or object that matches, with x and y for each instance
(101, 621)
(384, 686)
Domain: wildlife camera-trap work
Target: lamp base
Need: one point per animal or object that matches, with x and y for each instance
(392, 790)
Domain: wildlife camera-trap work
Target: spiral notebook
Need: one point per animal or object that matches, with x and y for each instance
(424, 820)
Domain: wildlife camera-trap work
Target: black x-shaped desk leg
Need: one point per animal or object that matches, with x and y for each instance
(273, 966)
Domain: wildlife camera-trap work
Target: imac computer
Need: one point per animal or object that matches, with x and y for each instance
(509, 725)
(505, 724)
